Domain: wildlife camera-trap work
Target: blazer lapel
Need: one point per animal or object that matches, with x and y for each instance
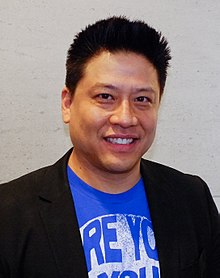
(59, 218)
(164, 218)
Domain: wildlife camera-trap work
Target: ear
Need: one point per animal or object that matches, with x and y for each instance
(66, 103)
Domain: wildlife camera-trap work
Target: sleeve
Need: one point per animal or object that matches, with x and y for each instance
(4, 273)
(213, 249)
(6, 222)
(213, 259)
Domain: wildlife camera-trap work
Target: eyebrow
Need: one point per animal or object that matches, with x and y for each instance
(105, 85)
(113, 87)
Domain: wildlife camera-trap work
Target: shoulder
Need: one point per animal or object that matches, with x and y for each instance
(165, 173)
(19, 197)
(189, 195)
(27, 187)
(183, 185)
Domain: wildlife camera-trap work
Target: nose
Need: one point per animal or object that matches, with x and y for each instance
(124, 115)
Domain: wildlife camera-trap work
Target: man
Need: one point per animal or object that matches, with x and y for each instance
(102, 211)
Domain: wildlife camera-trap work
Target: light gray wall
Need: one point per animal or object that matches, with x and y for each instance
(34, 37)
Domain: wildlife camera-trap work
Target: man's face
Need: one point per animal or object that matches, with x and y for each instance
(113, 114)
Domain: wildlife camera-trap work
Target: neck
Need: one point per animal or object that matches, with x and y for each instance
(104, 180)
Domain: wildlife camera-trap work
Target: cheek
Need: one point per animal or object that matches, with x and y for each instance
(95, 117)
(149, 123)
(88, 121)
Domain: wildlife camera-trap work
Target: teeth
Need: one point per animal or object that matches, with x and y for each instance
(120, 141)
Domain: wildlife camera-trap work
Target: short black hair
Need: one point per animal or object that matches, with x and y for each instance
(117, 34)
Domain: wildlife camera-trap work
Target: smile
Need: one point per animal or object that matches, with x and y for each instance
(120, 141)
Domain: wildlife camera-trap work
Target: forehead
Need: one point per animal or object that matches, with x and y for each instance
(121, 63)
(106, 56)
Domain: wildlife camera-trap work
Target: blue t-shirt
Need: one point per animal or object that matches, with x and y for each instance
(116, 231)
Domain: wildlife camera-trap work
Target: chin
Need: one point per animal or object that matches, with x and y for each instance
(120, 167)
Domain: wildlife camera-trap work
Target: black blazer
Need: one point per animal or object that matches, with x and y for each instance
(39, 234)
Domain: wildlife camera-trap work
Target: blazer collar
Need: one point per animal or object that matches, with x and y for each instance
(60, 221)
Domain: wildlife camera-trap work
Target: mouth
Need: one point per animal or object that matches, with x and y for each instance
(120, 141)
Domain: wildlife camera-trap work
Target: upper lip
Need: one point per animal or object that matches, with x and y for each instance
(122, 136)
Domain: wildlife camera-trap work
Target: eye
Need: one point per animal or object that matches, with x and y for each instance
(105, 96)
(142, 99)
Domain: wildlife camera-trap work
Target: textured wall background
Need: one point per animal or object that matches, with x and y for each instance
(34, 37)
